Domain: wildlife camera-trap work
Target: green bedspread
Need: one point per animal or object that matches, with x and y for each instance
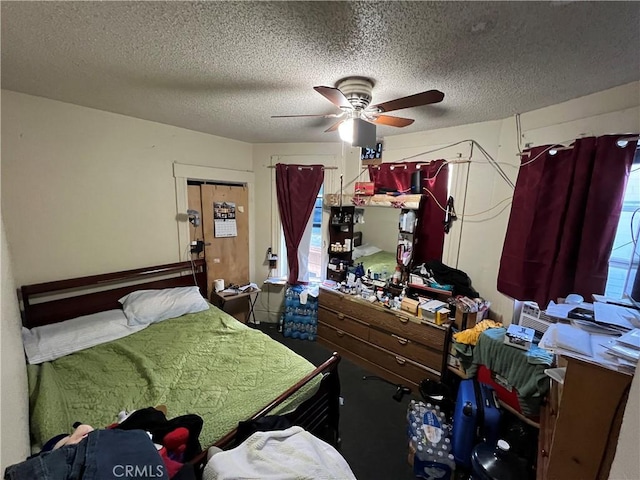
(379, 263)
(206, 363)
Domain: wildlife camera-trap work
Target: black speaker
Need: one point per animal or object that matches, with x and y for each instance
(416, 182)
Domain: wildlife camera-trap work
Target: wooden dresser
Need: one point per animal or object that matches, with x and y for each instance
(580, 422)
(393, 344)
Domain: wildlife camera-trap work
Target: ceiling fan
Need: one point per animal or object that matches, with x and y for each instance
(353, 96)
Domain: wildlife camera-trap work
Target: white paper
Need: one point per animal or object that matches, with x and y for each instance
(561, 310)
(599, 347)
(616, 315)
(224, 219)
(631, 339)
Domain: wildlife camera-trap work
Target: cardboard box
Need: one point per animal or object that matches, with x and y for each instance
(442, 316)
(465, 320)
(410, 306)
(429, 309)
(364, 188)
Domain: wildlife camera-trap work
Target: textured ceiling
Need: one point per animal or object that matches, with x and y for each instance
(225, 67)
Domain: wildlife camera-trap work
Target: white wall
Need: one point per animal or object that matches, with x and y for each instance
(86, 191)
(14, 401)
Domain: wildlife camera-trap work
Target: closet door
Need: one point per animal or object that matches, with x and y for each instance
(227, 256)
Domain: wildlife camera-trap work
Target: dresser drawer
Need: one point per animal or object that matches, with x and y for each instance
(345, 304)
(388, 360)
(400, 324)
(388, 320)
(344, 323)
(407, 348)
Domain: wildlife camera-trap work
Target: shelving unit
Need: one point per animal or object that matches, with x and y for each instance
(407, 225)
(340, 242)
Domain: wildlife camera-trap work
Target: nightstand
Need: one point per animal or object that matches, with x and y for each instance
(237, 304)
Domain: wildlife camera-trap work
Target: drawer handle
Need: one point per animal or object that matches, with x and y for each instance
(341, 316)
(403, 319)
(401, 341)
(545, 453)
(340, 333)
(401, 360)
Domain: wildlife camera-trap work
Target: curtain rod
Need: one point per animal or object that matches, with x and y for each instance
(560, 148)
(420, 164)
(303, 167)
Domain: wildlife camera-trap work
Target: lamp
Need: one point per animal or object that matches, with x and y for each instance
(358, 132)
(345, 130)
(194, 217)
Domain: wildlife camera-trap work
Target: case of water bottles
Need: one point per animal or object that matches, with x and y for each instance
(429, 442)
(299, 320)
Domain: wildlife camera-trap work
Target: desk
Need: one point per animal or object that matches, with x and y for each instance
(580, 423)
(230, 301)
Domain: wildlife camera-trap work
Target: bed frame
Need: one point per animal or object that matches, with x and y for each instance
(42, 305)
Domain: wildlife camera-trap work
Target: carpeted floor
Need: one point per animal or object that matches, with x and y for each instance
(372, 424)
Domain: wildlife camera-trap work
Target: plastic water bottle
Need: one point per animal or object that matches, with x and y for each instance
(430, 455)
(451, 461)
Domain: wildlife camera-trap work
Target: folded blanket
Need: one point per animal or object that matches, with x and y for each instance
(279, 455)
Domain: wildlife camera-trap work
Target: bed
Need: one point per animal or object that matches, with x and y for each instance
(373, 259)
(206, 363)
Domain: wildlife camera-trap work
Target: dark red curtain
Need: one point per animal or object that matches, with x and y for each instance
(563, 220)
(297, 189)
(392, 177)
(430, 232)
(433, 179)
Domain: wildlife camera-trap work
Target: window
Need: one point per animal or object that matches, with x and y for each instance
(315, 248)
(622, 257)
(315, 251)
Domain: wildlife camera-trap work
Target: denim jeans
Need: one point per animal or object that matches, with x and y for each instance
(103, 455)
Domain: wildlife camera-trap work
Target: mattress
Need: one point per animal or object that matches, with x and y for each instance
(205, 363)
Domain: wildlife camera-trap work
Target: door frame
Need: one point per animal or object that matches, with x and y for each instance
(182, 173)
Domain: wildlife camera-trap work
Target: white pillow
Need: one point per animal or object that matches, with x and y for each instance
(46, 343)
(143, 307)
(364, 250)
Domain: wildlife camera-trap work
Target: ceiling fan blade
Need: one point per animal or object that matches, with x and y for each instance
(334, 95)
(417, 100)
(329, 115)
(392, 121)
(334, 127)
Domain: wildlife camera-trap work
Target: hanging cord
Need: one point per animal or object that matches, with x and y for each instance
(494, 164)
(518, 133)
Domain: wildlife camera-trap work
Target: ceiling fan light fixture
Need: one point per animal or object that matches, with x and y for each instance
(345, 130)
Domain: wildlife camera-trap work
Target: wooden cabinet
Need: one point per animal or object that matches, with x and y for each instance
(340, 242)
(392, 344)
(580, 422)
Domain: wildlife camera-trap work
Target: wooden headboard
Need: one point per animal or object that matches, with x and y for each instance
(113, 286)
